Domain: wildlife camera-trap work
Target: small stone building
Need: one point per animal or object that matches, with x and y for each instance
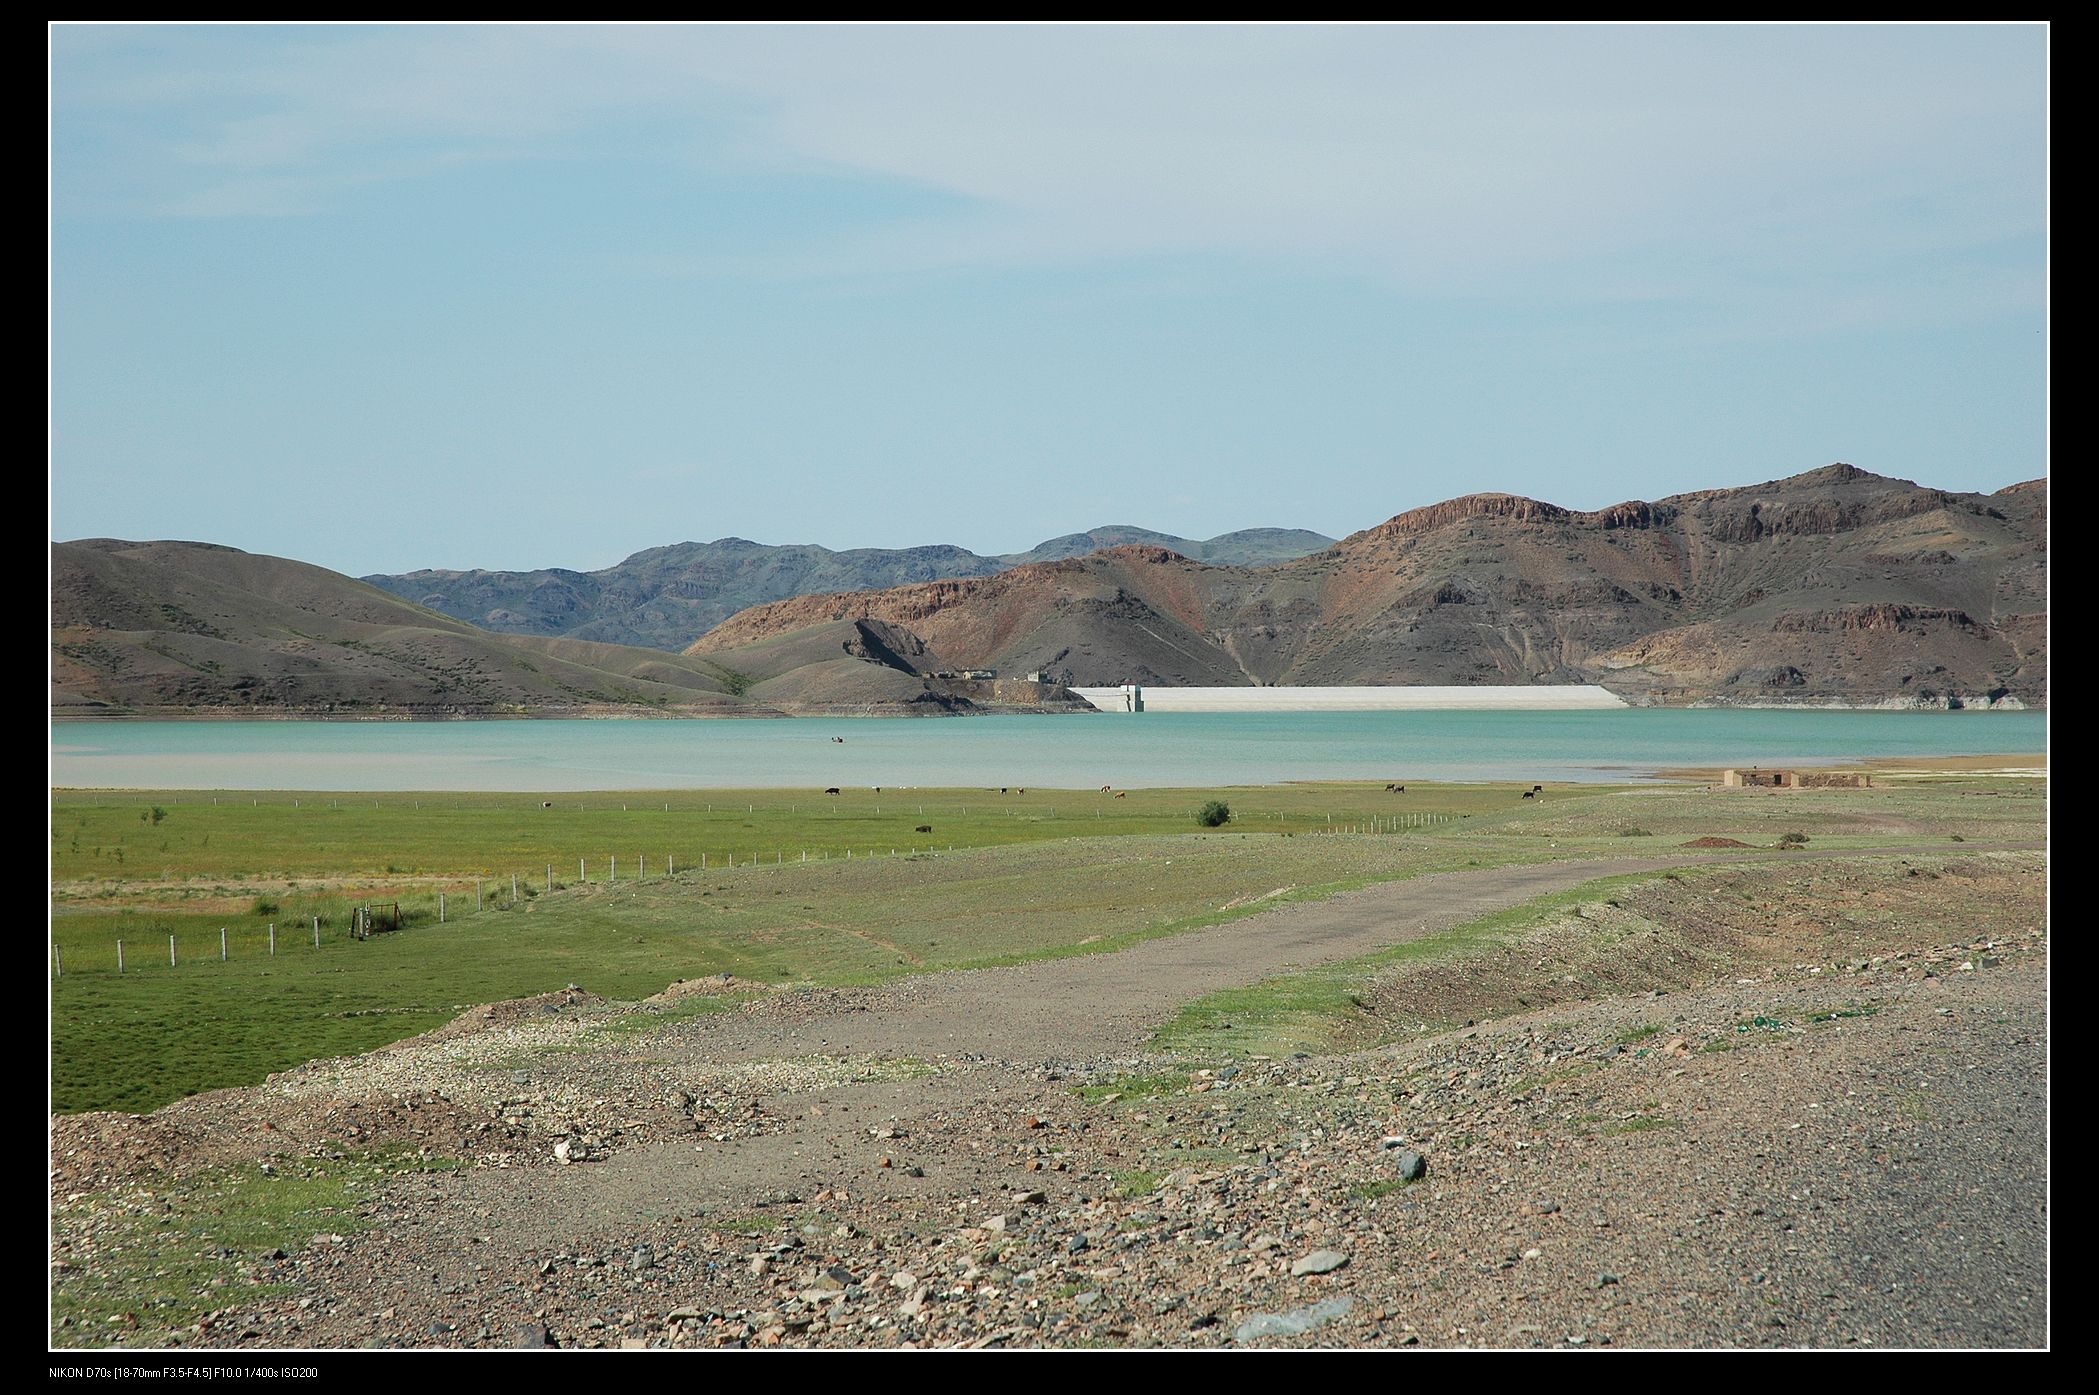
(1757, 778)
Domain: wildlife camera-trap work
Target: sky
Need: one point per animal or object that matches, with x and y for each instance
(390, 297)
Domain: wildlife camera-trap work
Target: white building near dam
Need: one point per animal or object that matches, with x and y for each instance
(1134, 697)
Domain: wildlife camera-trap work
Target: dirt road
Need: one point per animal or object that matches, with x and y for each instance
(911, 1163)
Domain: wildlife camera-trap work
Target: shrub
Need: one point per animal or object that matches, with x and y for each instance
(1215, 814)
(1791, 840)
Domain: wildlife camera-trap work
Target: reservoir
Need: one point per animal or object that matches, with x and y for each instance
(1071, 752)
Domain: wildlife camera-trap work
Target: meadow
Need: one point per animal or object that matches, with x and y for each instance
(794, 889)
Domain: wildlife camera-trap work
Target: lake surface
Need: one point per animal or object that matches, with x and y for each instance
(1076, 752)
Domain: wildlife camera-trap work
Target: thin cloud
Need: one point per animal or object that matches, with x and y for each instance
(1432, 150)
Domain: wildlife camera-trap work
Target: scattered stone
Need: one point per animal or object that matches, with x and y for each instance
(1412, 1166)
(1293, 1323)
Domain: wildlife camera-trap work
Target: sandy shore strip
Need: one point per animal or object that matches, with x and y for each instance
(2024, 766)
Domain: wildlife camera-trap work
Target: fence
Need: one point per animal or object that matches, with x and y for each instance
(368, 919)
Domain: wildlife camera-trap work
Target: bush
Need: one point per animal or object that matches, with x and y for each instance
(1215, 814)
(1791, 840)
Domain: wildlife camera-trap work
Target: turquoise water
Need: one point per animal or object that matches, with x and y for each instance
(1078, 752)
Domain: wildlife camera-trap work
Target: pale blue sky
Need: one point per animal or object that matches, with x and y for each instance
(388, 297)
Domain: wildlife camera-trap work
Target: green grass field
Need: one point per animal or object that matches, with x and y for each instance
(1050, 872)
(108, 839)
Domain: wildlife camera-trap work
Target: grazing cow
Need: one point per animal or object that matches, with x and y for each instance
(923, 828)
(1021, 790)
(1120, 795)
(1537, 789)
(548, 805)
(1106, 788)
(1529, 795)
(832, 790)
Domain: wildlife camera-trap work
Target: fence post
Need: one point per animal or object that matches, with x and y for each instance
(513, 888)
(642, 873)
(273, 939)
(120, 956)
(171, 938)
(615, 867)
(58, 960)
(477, 893)
(316, 932)
(222, 944)
(440, 908)
(550, 879)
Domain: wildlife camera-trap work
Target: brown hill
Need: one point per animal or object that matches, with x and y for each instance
(173, 628)
(663, 598)
(1834, 585)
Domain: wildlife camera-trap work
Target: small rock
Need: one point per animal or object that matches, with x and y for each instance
(1318, 1262)
(1412, 1166)
(530, 1334)
(1292, 1323)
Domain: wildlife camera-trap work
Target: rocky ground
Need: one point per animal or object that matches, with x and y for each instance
(1766, 1151)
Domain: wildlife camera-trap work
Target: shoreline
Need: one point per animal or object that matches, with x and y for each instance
(1535, 699)
(2008, 765)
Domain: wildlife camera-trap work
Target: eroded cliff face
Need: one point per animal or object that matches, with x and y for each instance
(1832, 586)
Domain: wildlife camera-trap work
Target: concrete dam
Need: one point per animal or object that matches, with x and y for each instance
(1133, 698)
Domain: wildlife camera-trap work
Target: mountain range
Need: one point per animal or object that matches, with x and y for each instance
(193, 629)
(666, 597)
(1834, 586)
